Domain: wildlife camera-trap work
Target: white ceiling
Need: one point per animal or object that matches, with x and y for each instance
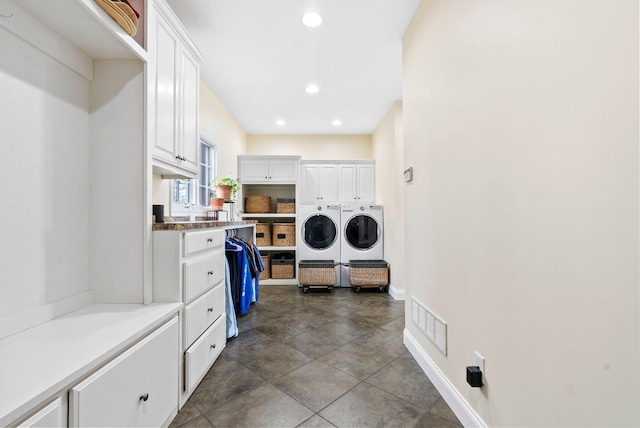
(259, 58)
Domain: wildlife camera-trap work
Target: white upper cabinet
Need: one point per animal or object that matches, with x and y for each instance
(268, 169)
(174, 86)
(357, 183)
(319, 183)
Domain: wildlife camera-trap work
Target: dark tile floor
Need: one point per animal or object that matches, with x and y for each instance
(317, 360)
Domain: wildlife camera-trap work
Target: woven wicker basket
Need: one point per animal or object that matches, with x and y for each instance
(372, 273)
(284, 234)
(317, 272)
(282, 268)
(258, 204)
(266, 260)
(286, 206)
(263, 234)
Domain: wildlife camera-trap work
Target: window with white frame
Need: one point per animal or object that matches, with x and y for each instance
(191, 196)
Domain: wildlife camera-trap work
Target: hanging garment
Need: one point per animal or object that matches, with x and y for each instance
(232, 323)
(242, 281)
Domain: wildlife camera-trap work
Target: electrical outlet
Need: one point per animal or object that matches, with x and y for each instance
(479, 361)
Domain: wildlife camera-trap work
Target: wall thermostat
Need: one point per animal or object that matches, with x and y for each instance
(408, 174)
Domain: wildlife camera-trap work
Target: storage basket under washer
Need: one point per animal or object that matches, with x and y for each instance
(369, 273)
(317, 274)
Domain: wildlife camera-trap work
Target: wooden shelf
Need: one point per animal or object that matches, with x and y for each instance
(269, 215)
(87, 26)
(274, 248)
(293, 281)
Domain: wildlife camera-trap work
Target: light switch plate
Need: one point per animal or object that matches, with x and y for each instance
(408, 174)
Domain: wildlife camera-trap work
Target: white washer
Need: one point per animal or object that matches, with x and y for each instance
(318, 234)
(361, 228)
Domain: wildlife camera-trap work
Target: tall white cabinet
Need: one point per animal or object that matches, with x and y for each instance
(81, 94)
(174, 88)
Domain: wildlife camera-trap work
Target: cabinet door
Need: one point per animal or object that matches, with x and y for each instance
(166, 51)
(138, 388)
(328, 183)
(283, 171)
(189, 111)
(310, 184)
(365, 190)
(254, 170)
(347, 178)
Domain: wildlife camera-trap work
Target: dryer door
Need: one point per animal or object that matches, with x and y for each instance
(362, 232)
(319, 232)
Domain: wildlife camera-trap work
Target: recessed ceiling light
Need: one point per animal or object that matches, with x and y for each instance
(336, 122)
(311, 19)
(312, 89)
(280, 122)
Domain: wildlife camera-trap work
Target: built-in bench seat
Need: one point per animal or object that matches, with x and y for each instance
(41, 362)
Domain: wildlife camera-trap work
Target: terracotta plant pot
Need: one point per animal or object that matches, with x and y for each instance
(217, 204)
(224, 192)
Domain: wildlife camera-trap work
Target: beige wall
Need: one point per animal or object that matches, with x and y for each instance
(231, 140)
(312, 147)
(216, 119)
(521, 123)
(388, 154)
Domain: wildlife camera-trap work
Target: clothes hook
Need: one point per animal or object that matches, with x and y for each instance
(7, 16)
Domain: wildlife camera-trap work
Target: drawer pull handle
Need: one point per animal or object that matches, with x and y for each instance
(213, 346)
(210, 272)
(209, 239)
(210, 310)
(144, 397)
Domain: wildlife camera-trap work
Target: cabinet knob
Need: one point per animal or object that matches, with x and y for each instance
(209, 239)
(210, 272)
(266, 178)
(144, 397)
(213, 346)
(210, 310)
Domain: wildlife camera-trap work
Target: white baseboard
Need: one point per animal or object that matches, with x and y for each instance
(15, 324)
(396, 293)
(467, 416)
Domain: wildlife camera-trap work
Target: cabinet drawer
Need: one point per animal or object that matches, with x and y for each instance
(203, 273)
(205, 240)
(50, 416)
(201, 313)
(201, 355)
(138, 388)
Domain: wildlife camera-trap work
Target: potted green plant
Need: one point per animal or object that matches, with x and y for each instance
(226, 188)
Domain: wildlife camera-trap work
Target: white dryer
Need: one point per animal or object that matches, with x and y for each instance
(318, 234)
(362, 236)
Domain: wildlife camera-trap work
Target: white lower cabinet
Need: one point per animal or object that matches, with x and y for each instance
(201, 355)
(189, 267)
(50, 416)
(137, 388)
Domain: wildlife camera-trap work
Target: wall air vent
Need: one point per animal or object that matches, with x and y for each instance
(430, 325)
